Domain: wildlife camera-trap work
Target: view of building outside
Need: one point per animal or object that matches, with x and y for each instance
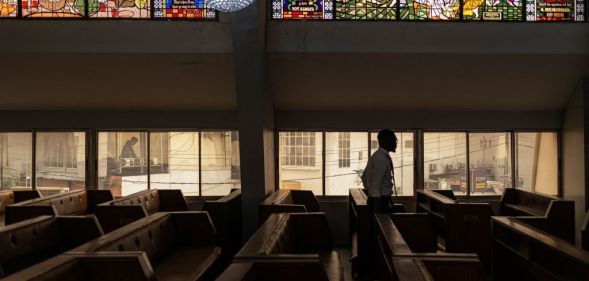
(403, 161)
(16, 156)
(173, 164)
(444, 161)
(346, 155)
(173, 161)
(537, 161)
(60, 161)
(122, 162)
(301, 161)
(220, 162)
(490, 162)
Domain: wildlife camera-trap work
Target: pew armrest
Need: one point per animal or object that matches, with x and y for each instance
(24, 195)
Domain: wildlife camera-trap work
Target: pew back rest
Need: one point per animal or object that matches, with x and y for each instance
(158, 234)
(68, 203)
(133, 266)
(537, 253)
(287, 270)
(27, 242)
(520, 202)
(454, 269)
(289, 234)
(154, 200)
(288, 201)
(417, 231)
(9, 197)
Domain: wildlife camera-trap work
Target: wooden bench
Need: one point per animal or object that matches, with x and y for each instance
(28, 242)
(585, 233)
(293, 236)
(122, 211)
(302, 268)
(9, 197)
(73, 203)
(288, 201)
(179, 245)
(360, 232)
(422, 249)
(465, 227)
(112, 266)
(419, 260)
(226, 216)
(523, 252)
(561, 213)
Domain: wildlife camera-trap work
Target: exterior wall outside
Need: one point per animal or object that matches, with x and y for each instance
(547, 165)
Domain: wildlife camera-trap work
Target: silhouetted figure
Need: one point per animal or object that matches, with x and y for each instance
(128, 151)
(378, 177)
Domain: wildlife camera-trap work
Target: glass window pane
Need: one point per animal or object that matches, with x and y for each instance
(490, 163)
(537, 162)
(343, 161)
(403, 161)
(546, 10)
(445, 161)
(16, 156)
(61, 161)
(173, 161)
(122, 9)
(299, 174)
(301, 10)
(220, 162)
(122, 162)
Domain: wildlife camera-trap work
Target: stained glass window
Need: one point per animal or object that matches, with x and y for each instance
(430, 9)
(119, 9)
(300, 9)
(366, 9)
(190, 9)
(8, 8)
(506, 10)
(555, 10)
(52, 8)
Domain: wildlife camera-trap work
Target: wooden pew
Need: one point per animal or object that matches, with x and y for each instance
(561, 213)
(585, 233)
(28, 242)
(301, 268)
(465, 227)
(286, 236)
(360, 233)
(288, 201)
(9, 197)
(122, 211)
(179, 245)
(112, 266)
(524, 253)
(73, 203)
(226, 216)
(419, 260)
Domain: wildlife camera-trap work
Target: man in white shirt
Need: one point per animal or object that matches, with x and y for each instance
(378, 177)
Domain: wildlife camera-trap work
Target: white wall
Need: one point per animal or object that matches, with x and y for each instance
(573, 154)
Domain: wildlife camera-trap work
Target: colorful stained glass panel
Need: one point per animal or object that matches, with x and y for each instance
(555, 10)
(366, 9)
(188, 9)
(430, 9)
(8, 8)
(300, 9)
(497, 10)
(126, 9)
(53, 8)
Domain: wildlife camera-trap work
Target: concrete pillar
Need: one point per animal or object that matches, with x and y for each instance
(255, 111)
